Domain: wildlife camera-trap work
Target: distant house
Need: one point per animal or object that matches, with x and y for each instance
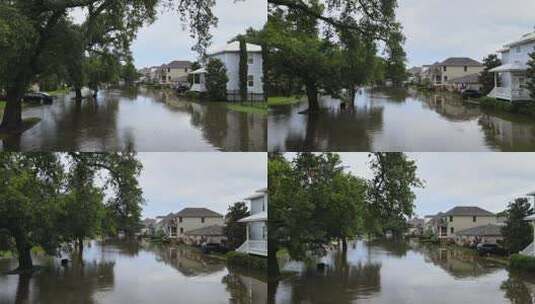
(209, 234)
(416, 226)
(148, 226)
(415, 74)
(175, 73)
(461, 218)
(468, 82)
(441, 73)
(487, 234)
(510, 77)
(230, 56)
(256, 242)
(190, 219)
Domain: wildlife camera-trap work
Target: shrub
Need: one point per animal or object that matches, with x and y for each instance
(239, 259)
(216, 80)
(522, 262)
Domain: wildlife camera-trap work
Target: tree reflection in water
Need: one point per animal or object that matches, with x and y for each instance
(519, 288)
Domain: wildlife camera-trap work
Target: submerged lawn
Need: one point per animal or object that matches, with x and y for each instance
(283, 100)
(249, 107)
(58, 92)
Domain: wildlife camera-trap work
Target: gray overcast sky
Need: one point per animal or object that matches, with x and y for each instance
(172, 181)
(437, 29)
(166, 40)
(487, 180)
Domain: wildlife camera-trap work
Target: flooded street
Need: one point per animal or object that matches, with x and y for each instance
(119, 272)
(398, 121)
(403, 273)
(139, 120)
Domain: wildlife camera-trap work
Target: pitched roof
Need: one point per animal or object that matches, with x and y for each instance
(468, 211)
(472, 78)
(179, 64)
(485, 230)
(461, 61)
(214, 230)
(526, 38)
(197, 212)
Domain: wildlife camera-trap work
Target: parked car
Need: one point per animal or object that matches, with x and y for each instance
(471, 94)
(38, 97)
(213, 247)
(485, 249)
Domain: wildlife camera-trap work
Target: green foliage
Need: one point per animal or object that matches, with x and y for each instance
(395, 63)
(530, 73)
(243, 260)
(390, 192)
(129, 72)
(487, 78)
(216, 80)
(102, 68)
(522, 262)
(243, 69)
(517, 233)
(235, 231)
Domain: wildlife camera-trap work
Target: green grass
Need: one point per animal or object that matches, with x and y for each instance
(283, 100)
(282, 253)
(252, 107)
(58, 92)
(7, 254)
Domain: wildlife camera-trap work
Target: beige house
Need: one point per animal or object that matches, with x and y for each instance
(210, 234)
(459, 219)
(442, 73)
(190, 219)
(175, 72)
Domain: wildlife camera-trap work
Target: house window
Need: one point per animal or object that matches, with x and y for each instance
(169, 77)
(181, 230)
(445, 68)
(197, 79)
(263, 206)
(445, 78)
(264, 232)
(202, 219)
(465, 68)
(250, 59)
(250, 80)
(451, 218)
(180, 219)
(452, 230)
(168, 70)
(474, 219)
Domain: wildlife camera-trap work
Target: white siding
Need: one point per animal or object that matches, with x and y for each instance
(231, 60)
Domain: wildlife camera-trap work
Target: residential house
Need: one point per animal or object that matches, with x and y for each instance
(230, 56)
(441, 73)
(175, 73)
(210, 235)
(510, 77)
(487, 234)
(416, 226)
(456, 222)
(256, 242)
(415, 74)
(148, 226)
(530, 250)
(433, 223)
(190, 219)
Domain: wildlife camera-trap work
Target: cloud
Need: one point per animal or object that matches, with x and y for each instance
(438, 29)
(172, 181)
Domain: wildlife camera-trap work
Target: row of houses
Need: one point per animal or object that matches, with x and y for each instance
(175, 73)
(196, 226)
(461, 73)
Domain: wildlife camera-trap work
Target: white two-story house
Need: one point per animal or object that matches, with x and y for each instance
(510, 77)
(230, 56)
(257, 232)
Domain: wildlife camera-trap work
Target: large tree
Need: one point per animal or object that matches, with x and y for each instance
(487, 78)
(390, 193)
(517, 233)
(235, 231)
(216, 80)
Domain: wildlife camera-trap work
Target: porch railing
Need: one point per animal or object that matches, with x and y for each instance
(258, 247)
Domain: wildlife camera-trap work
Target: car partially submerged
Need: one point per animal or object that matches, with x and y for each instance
(38, 97)
(486, 249)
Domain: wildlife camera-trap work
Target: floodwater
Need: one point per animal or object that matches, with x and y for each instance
(398, 120)
(119, 272)
(139, 120)
(403, 273)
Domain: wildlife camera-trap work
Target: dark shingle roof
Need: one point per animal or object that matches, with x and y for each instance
(468, 211)
(179, 64)
(485, 230)
(461, 61)
(197, 212)
(472, 78)
(214, 230)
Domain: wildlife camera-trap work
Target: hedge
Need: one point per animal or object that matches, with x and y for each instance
(522, 262)
(239, 259)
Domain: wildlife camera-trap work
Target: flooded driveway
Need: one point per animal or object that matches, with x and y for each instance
(118, 272)
(139, 120)
(399, 120)
(403, 273)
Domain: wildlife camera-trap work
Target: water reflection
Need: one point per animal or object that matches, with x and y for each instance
(398, 120)
(122, 272)
(401, 272)
(140, 120)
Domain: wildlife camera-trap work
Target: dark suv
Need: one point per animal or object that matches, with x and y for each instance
(471, 94)
(485, 249)
(213, 247)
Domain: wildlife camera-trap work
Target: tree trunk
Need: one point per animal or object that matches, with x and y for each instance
(352, 94)
(78, 91)
(81, 250)
(273, 285)
(24, 249)
(344, 244)
(23, 289)
(12, 119)
(312, 95)
(273, 263)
